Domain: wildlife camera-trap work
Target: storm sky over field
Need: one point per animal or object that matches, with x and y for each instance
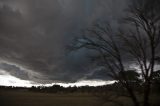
(34, 35)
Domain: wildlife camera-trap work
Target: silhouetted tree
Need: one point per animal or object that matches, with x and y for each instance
(156, 76)
(137, 43)
(156, 81)
(132, 76)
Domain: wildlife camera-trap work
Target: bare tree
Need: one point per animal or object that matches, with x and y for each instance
(146, 20)
(138, 43)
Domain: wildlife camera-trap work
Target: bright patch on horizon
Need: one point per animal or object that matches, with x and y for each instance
(86, 83)
(9, 80)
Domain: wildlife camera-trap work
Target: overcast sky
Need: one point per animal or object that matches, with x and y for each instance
(34, 35)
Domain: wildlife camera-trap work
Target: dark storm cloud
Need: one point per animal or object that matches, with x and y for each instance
(18, 71)
(34, 35)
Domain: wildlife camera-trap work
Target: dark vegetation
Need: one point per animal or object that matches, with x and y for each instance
(133, 78)
(59, 89)
(56, 95)
(136, 41)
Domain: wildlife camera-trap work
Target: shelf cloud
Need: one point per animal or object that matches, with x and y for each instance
(34, 35)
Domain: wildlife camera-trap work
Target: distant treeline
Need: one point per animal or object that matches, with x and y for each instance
(116, 87)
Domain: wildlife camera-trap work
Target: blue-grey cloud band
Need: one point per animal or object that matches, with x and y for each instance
(34, 35)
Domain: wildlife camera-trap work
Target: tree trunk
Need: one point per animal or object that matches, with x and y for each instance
(147, 89)
(134, 99)
(133, 96)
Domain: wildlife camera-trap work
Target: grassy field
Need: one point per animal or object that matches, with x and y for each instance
(26, 98)
(17, 98)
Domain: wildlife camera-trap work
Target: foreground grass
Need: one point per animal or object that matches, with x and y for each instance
(26, 98)
(19, 98)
